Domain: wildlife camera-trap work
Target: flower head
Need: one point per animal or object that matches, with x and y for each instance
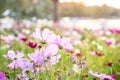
(109, 63)
(13, 56)
(32, 45)
(2, 76)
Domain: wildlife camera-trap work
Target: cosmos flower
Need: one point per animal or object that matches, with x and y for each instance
(32, 45)
(44, 36)
(101, 76)
(96, 53)
(116, 31)
(108, 43)
(2, 76)
(24, 39)
(45, 55)
(13, 56)
(78, 54)
(64, 43)
(109, 63)
(8, 38)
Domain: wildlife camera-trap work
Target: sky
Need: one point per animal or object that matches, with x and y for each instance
(112, 3)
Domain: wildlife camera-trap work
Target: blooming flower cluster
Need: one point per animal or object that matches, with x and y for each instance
(41, 59)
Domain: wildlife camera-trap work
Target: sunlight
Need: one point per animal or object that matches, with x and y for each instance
(112, 3)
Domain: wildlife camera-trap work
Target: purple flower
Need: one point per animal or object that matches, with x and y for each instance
(2, 76)
(45, 55)
(25, 64)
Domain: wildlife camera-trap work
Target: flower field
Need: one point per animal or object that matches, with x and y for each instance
(39, 51)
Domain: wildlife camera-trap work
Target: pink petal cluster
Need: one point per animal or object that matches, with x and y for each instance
(47, 37)
(45, 56)
(2, 76)
(116, 31)
(108, 43)
(8, 38)
(102, 76)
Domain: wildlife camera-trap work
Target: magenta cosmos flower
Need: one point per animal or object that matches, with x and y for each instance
(108, 43)
(2, 76)
(32, 45)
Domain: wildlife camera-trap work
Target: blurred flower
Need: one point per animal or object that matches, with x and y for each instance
(8, 38)
(45, 36)
(118, 60)
(78, 54)
(116, 31)
(12, 56)
(15, 58)
(101, 76)
(109, 63)
(24, 39)
(45, 55)
(32, 45)
(93, 73)
(7, 46)
(95, 53)
(2, 76)
(113, 76)
(108, 43)
(64, 43)
(74, 59)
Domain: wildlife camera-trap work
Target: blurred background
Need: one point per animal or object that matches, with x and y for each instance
(77, 13)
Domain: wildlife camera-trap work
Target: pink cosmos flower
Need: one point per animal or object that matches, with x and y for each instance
(116, 31)
(45, 55)
(14, 64)
(13, 56)
(64, 43)
(45, 36)
(8, 38)
(32, 45)
(24, 39)
(2, 76)
(108, 43)
(101, 76)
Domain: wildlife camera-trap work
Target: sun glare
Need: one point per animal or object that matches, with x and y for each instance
(112, 3)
